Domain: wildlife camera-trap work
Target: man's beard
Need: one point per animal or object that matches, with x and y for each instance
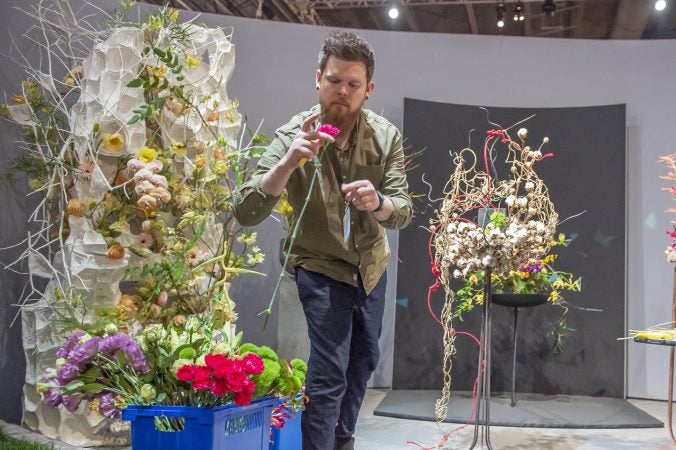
(341, 120)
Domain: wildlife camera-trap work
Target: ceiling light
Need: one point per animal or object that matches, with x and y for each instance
(518, 12)
(660, 4)
(501, 15)
(393, 12)
(549, 7)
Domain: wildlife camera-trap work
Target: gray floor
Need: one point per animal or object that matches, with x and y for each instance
(383, 433)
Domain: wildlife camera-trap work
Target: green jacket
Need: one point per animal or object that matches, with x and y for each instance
(376, 154)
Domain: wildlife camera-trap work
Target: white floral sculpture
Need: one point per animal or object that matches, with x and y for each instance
(104, 126)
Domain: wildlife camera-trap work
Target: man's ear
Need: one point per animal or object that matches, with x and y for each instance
(369, 88)
(318, 78)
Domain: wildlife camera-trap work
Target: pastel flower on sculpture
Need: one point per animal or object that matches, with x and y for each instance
(75, 207)
(195, 256)
(116, 251)
(147, 154)
(161, 194)
(113, 142)
(147, 202)
(86, 168)
(173, 15)
(179, 149)
(193, 61)
(143, 174)
(145, 239)
(143, 187)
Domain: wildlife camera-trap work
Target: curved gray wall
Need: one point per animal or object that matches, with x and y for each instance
(274, 79)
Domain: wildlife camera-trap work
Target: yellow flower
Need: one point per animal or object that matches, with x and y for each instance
(179, 148)
(200, 160)
(19, 99)
(174, 15)
(549, 259)
(554, 296)
(230, 116)
(219, 167)
(154, 23)
(113, 142)
(193, 61)
(158, 72)
(473, 279)
(558, 284)
(146, 154)
(523, 275)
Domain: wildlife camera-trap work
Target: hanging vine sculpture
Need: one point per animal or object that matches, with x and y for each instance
(519, 224)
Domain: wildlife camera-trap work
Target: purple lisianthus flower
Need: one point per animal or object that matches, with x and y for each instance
(107, 407)
(135, 356)
(111, 344)
(83, 354)
(67, 373)
(70, 343)
(132, 351)
(52, 398)
(71, 402)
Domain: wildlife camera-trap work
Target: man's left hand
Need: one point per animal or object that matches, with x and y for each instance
(362, 194)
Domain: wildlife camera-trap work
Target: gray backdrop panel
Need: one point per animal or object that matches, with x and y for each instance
(586, 174)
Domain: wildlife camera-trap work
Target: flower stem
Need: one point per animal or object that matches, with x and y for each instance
(268, 310)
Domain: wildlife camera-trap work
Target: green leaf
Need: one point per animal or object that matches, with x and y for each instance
(159, 53)
(136, 82)
(73, 387)
(93, 388)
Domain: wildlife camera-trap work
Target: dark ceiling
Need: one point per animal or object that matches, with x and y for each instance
(584, 19)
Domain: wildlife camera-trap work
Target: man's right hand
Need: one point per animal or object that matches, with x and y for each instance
(306, 144)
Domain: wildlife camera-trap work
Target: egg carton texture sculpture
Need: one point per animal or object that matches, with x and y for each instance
(489, 222)
(82, 267)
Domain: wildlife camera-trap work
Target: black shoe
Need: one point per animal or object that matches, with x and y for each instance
(344, 443)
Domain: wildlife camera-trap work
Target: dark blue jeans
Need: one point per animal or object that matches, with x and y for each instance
(344, 325)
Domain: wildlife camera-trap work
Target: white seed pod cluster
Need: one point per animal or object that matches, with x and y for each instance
(462, 247)
(472, 248)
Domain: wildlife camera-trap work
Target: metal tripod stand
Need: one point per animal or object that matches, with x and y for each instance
(484, 371)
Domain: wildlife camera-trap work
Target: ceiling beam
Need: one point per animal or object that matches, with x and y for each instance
(528, 24)
(471, 18)
(631, 19)
(408, 15)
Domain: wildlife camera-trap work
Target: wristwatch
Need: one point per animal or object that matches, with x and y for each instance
(381, 201)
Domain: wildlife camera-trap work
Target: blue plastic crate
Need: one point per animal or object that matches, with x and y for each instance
(289, 437)
(228, 427)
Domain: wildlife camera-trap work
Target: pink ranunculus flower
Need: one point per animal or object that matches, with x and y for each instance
(328, 129)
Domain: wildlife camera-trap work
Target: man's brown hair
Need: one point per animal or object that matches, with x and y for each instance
(348, 47)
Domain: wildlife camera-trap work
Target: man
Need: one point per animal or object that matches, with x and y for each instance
(341, 251)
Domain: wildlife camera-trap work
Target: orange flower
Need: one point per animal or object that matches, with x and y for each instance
(212, 116)
(116, 251)
(75, 207)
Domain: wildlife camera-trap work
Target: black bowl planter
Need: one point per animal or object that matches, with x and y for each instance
(519, 300)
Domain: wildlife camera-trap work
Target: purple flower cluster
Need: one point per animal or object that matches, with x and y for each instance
(132, 351)
(532, 267)
(78, 357)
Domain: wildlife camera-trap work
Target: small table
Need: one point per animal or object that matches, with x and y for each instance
(670, 392)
